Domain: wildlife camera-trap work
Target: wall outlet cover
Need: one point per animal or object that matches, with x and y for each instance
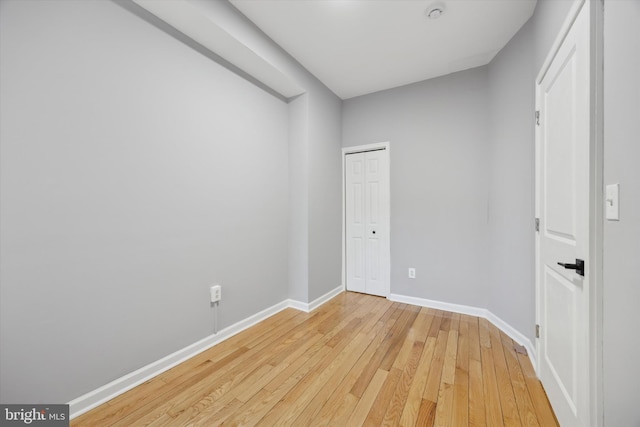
(216, 293)
(612, 202)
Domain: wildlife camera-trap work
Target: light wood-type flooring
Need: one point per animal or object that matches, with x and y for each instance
(356, 360)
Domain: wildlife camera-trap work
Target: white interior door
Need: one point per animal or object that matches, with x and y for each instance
(563, 205)
(367, 221)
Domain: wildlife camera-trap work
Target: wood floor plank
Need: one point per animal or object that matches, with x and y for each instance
(527, 412)
(477, 413)
(474, 338)
(414, 397)
(340, 396)
(340, 413)
(460, 411)
(383, 400)
(374, 364)
(261, 404)
(485, 335)
(356, 360)
(289, 408)
(510, 414)
(330, 380)
(422, 324)
(260, 381)
(435, 370)
(491, 391)
(397, 404)
(316, 390)
(397, 336)
(365, 403)
(435, 323)
(545, 414)
(445, 393)
(427, 414)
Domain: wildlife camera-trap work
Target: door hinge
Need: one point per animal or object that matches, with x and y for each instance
(537, 224)
(538, 117)
(537, 331)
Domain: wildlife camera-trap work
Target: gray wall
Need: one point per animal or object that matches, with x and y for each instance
(325, 193)
(439, 135)
(135, 173)
(299, 198)
(512, 75)
(512, 183)
(315, 160)
(546, 21)
(622, 239)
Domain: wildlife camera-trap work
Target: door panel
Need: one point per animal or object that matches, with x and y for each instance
(561, 296)
(560, 149)
(367, 230)
(563, 180)
(355, 223)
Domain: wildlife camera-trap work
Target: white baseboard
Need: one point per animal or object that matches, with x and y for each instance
(515, 335)
(439, 305)
(125, 383)
(307, 307)
(512, 332)
(108, 391)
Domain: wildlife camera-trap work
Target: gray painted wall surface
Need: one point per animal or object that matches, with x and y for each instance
(439, 135)
(547, 20)
(316, 162)
(512, 75)
(512, 183)
(325, 194)
(135, 173)
(622, 239)
(298, 283)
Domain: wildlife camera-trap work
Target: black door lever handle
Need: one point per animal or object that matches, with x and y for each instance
(578, 266)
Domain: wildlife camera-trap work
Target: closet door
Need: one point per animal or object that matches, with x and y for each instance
(367, 222)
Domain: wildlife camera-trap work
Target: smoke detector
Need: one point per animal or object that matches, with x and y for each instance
(435, 11)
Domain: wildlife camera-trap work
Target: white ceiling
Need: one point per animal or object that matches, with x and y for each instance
(357, 47)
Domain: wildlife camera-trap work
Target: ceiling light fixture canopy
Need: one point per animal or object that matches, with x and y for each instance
(435, 10)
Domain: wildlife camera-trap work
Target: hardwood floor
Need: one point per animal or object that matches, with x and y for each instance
(357, 360)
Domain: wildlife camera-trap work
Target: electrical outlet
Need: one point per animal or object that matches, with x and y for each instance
(412, 273)
(216, 293)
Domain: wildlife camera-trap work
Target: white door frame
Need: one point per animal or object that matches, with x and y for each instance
(596, 198)
(358, 149)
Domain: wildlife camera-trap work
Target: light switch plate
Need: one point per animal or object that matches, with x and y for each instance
(612, 202)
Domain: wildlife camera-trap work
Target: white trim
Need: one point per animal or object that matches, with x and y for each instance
(505, 327)
(97, 397)
(515, 335)
(357, 149)
(439, 305)
(307, 307)
(597, 226)
(366, 147)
